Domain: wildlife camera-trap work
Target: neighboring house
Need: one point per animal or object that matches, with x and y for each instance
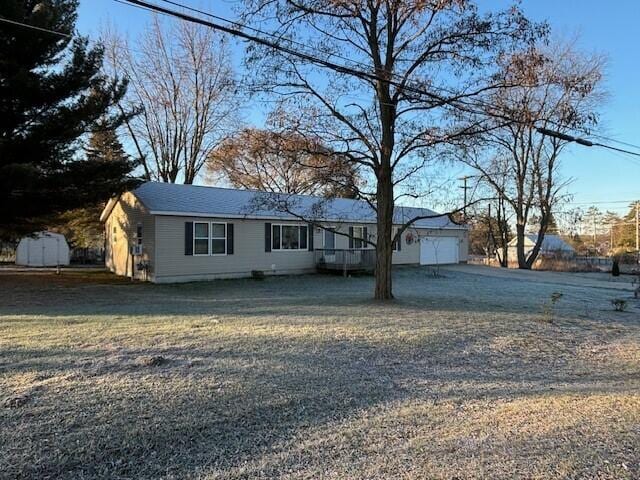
(165, 232)
(43, 249)
(552, 246)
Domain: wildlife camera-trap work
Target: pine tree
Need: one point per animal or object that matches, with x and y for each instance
(52, 93)
(552, 226)
(82, 226)
(104, 145)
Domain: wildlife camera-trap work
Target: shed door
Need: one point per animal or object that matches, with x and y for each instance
(438, 250)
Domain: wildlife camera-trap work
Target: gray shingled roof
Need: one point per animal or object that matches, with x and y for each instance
(192, 200)
(550, 243)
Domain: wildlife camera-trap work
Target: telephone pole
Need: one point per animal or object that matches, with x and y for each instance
(638, 228)
(465, 188)
(489, 246)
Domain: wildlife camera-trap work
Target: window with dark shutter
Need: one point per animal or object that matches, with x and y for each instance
(350, 237)
(267, 237)
(229, 238)
(188, 238)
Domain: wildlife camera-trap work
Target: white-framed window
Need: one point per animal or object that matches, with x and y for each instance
(358, 237)
(139, 234)
(201, 238)
(289, 237)
(218, 238)
(209, 238)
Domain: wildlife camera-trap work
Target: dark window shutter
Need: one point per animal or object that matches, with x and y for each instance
(188, 238)
(365, 237)
(267, 237)
(350, 237)
(399, 243)
(229, 238)
(310, 228)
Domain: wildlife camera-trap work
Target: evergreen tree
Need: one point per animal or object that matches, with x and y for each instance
(552, 226)
(104, 145)
(626, 232)
(82, 226)
(52, 93)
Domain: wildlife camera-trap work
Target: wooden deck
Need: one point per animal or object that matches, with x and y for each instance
(345, 261)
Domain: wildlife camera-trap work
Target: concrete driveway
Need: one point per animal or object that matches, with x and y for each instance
(594, 280)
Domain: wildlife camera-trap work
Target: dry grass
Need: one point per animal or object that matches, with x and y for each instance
(305, 377)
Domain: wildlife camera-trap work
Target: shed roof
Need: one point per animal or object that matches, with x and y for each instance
(194, 200)
(550, 242)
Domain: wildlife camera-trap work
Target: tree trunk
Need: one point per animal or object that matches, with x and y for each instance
(536, 249)
(504, 260)
(522, 259)
(384, 250)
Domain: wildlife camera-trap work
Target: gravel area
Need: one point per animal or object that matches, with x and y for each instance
(469, 374)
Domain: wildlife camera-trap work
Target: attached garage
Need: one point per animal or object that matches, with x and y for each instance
(439, 250)
(163, 232)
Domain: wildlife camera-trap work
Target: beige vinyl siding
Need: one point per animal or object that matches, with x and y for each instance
(249, 252)
(120, 229)
(164, 249)
(172, 265)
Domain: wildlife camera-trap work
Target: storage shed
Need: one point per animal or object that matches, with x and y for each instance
(43, 249)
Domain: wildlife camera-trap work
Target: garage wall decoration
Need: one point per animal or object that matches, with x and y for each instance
(409, 238)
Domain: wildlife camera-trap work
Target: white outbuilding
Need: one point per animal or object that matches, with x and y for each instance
(43, 249)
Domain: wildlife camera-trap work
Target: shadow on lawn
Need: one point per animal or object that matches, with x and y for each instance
(220, 407)
(230, 407)
(65, 296)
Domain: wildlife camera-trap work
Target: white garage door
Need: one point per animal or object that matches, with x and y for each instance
(438, 250)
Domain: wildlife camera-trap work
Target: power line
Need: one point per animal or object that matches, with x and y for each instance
(337, 67)
(355, 62)
(581, 141)
(602, 202)
(455, 101)
(34, 27)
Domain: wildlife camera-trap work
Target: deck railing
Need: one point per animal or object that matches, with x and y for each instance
(345, 260)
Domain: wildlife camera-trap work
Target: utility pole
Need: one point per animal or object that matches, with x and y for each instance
(489, 249)
(638, 228)
(465, 188)
(611, 238)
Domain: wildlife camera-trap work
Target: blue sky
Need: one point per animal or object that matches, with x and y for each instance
(609, 28)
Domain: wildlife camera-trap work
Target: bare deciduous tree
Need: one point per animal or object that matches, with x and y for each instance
(558, 89)
(282, 162)
(411, 68)
(182, 81)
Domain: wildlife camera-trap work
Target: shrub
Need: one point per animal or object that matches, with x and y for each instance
(615, 269)
(619, 304)
(257, 274)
